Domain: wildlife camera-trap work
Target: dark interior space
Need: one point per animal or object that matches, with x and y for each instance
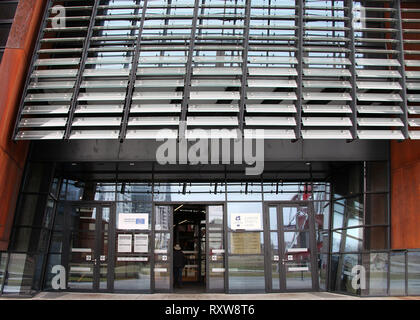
(190, 233)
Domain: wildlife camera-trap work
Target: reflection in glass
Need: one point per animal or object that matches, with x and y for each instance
(3, 261)
(397, 274)
(378, 275)
(215, 217)
(162, 276)
(163, 215)
(348, 212)
(296, 240)
(413, 265)
(216, 276)
(246, 273)
(275, 276)
(347, 262)
(295, 218)
(239, 209)
(83, 219)
(273, 218)
(215, 241)
(244, 191)
(162, 240)
(19, 274)
(132, 275)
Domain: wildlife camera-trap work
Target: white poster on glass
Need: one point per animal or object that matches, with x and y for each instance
(245, 221)
(133, 221)
(124, 242)
(141, 243)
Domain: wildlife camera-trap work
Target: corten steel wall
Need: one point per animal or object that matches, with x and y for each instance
(405, 173)
(13, 70)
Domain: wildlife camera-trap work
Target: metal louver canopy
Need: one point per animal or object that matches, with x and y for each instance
(128, 69)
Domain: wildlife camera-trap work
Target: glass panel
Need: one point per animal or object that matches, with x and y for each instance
(274, 246)
(378, 275)
(244, 191)
(19, 274)
(275, 276)
(38, 177)
(163, 214)
(376, 207)
(133, 216)
(246, 242)
(162, 242)
(189, 191)
(3, 261)
(295, 218)
(26, 239)
(31, 210)
(246, 273)
(83, 219)
(215, 243)
(346, 264)
(323, 271)
(348, 212)
(245, 215)
(81, 262)
(397, 274)
(413, 273)
(376, 238)
(353, 239)
(104, 191)
(132, 275)
(162, 276)
(132, 192)
(273, 218)
(215, 218)
(216, 276)
(53, 260)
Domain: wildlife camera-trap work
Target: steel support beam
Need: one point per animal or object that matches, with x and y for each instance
(299, 91)
(244, 83)
(401, 68)
(132, 78)
(32, 66)
(188, 72)
(352, 58)
(79, 77)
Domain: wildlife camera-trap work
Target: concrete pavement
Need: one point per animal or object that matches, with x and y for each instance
(205, 296)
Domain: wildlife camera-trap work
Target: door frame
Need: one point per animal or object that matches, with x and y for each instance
(173, 204)
(99, 205)
(312, 245)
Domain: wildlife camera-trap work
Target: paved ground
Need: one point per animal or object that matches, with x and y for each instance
(206, 296)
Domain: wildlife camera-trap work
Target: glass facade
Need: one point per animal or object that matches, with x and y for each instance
(264, 236)
(7, 14)
(298, 69)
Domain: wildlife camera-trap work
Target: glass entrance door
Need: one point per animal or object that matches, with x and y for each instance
(163, 246)
(89, 252)
(215, 249)
(292, 249)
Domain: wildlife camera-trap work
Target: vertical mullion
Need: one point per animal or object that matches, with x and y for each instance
(132, 77)
(81, 70)
(401, 68)
(299, 90)
(32, 66)
(352, 57)
(244, 64)
(188, 72)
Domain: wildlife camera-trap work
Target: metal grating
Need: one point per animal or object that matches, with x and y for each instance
(299, 69)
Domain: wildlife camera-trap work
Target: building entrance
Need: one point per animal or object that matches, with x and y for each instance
(293, 247)
(199, 230)
(189, 231)
(89, 254)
